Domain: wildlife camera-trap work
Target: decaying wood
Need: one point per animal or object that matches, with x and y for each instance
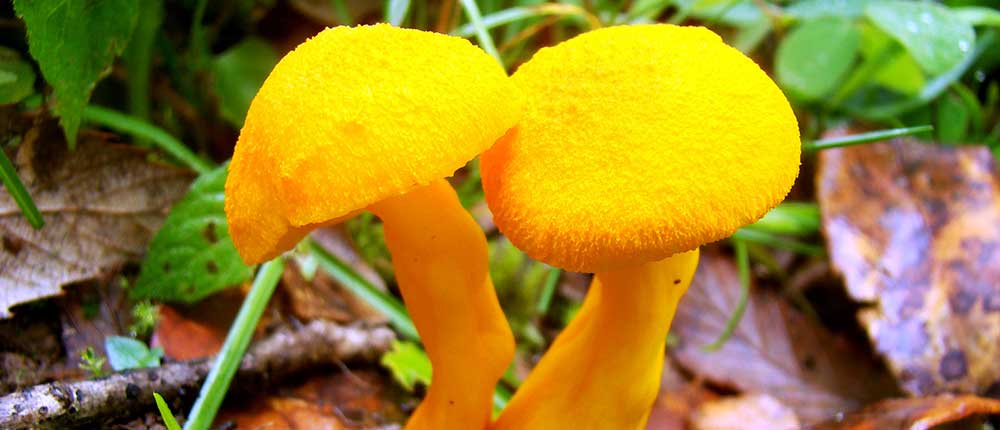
(72, 404)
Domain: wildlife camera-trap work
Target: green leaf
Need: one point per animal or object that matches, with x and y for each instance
(408, 364)
(168, 417)
(814, 57)
(953, 119)
(238, 74)
(17, 77)
(812, 9)
(937, 38)
(192, 255)
(978, 16)
(902, 74)
(127, 353)
(74, 42)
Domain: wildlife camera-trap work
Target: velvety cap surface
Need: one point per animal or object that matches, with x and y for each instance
(355, 115)
(639, 142)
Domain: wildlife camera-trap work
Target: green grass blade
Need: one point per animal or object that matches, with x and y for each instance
(384, 303)
(743, 263)
(228, 360)
(168, 417)
(131, 125)
(857, 139)
(482, 34)
(764, 238)
(548, 290)
(20, 194)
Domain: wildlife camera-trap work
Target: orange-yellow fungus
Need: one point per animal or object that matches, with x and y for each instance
(374, 117)
(639, 142)
(638, 145)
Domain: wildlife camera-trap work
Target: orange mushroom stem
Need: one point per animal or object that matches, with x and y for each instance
(374, 118)
(610, 357)
(664, 139)
(439, 255)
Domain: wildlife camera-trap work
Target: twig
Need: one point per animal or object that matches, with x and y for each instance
(288, 351)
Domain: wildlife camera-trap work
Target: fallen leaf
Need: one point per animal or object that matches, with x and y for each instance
(197, 331)
(677, 400)
(745, 412)
(916, 414)
(775, 350)
(101, 203)
(356, 399)
(915, 231)
(88, 315)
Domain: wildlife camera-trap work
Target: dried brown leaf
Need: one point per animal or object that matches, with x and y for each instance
(360, 399)
(102, 203)
(775, 350)
(915, 230)
(677, 400)
(745, 412)
(916, 414)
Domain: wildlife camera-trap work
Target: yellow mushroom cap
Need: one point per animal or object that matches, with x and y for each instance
(639, 142)
(353, 116)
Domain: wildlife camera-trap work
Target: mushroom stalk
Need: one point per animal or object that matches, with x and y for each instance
(440, 258)
(603, 371)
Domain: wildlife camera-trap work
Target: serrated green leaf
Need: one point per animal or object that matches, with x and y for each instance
(127, 353)
(936, 37)
(815, 56)
(192, 255)
(408, 364)
(17, 77)
(238, 74)
(74, 43)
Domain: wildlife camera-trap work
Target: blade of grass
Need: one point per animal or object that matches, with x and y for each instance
(396, 10)
(791, 218)
(384, 303)
(743, 264)
(228, 360)
(764, 238)
(515, 14)
(482, 34)
(856, 139)
(340, 9)
(501, 396)
(548, 290)
(168, 417)
(131, 125)
(20, 194)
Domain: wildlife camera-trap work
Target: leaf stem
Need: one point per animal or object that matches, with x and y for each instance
(228, 361)
(129, 124)
(20, 194)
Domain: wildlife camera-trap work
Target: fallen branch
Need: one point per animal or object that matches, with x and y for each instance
(74, 404)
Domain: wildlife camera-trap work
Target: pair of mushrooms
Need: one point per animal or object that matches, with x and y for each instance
(618, 152)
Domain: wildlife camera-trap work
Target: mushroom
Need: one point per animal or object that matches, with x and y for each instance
(638, 145)
(374, 118)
